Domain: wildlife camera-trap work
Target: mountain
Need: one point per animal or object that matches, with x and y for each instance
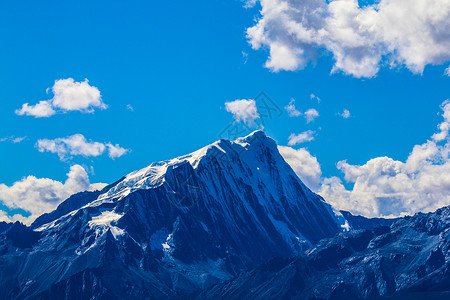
(171, 228)
(360, 222)
(409, 259)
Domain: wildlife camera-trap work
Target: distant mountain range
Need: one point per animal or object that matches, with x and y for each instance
(407, 260)
(229, 221)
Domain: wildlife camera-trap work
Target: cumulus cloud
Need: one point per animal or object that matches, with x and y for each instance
(77, 144)
(361, 38)
(384, 187)
(243, 111)
(304, 165)
(303, 137)
(345, 114)
(291, 110)
(41, 195)
(69, 95)
(387, 187)
(311, 114)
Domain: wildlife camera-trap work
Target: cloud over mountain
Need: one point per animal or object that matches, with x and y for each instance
(304, 165)
(41, 195)
(387, 187)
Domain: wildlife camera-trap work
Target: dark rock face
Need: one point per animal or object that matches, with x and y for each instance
(172, 228)
(21, 236)
(408, 260)
(5, 226)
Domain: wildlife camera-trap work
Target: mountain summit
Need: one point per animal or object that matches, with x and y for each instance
(173, 227)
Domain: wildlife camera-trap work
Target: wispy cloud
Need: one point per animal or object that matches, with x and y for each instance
(314, 97)
(69, 95)
(303, 137)
(291, 110)
(13, 139)
(447, 71)
(245, 56)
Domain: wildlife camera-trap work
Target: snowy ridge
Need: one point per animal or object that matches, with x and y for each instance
(153, 175)
(211, 214)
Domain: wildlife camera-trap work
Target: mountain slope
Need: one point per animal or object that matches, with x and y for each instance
(409, 259)
(173, 227)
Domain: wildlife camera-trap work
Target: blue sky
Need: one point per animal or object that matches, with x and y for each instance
(176, 64)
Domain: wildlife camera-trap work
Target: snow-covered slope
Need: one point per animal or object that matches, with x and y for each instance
(173, 227)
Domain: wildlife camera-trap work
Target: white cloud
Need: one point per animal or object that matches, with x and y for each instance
(115, 151)
(97, 186)
(303, 137)
(245, 56)
(384, 187)
(249, 3)
(291, 110)
(20, 139)
(243, 111)
(345, 114)
(410, 33)
(387, 187)
(445, 125)
(130, 108)
(78, 145)
(41, 195)
(304, 165)
(311, 114)
(69, 95)
(43, 109)
(447, 71)
(314, 97)
(13, 139)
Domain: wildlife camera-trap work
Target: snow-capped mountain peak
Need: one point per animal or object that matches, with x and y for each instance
(210, 214)
(223, 151)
